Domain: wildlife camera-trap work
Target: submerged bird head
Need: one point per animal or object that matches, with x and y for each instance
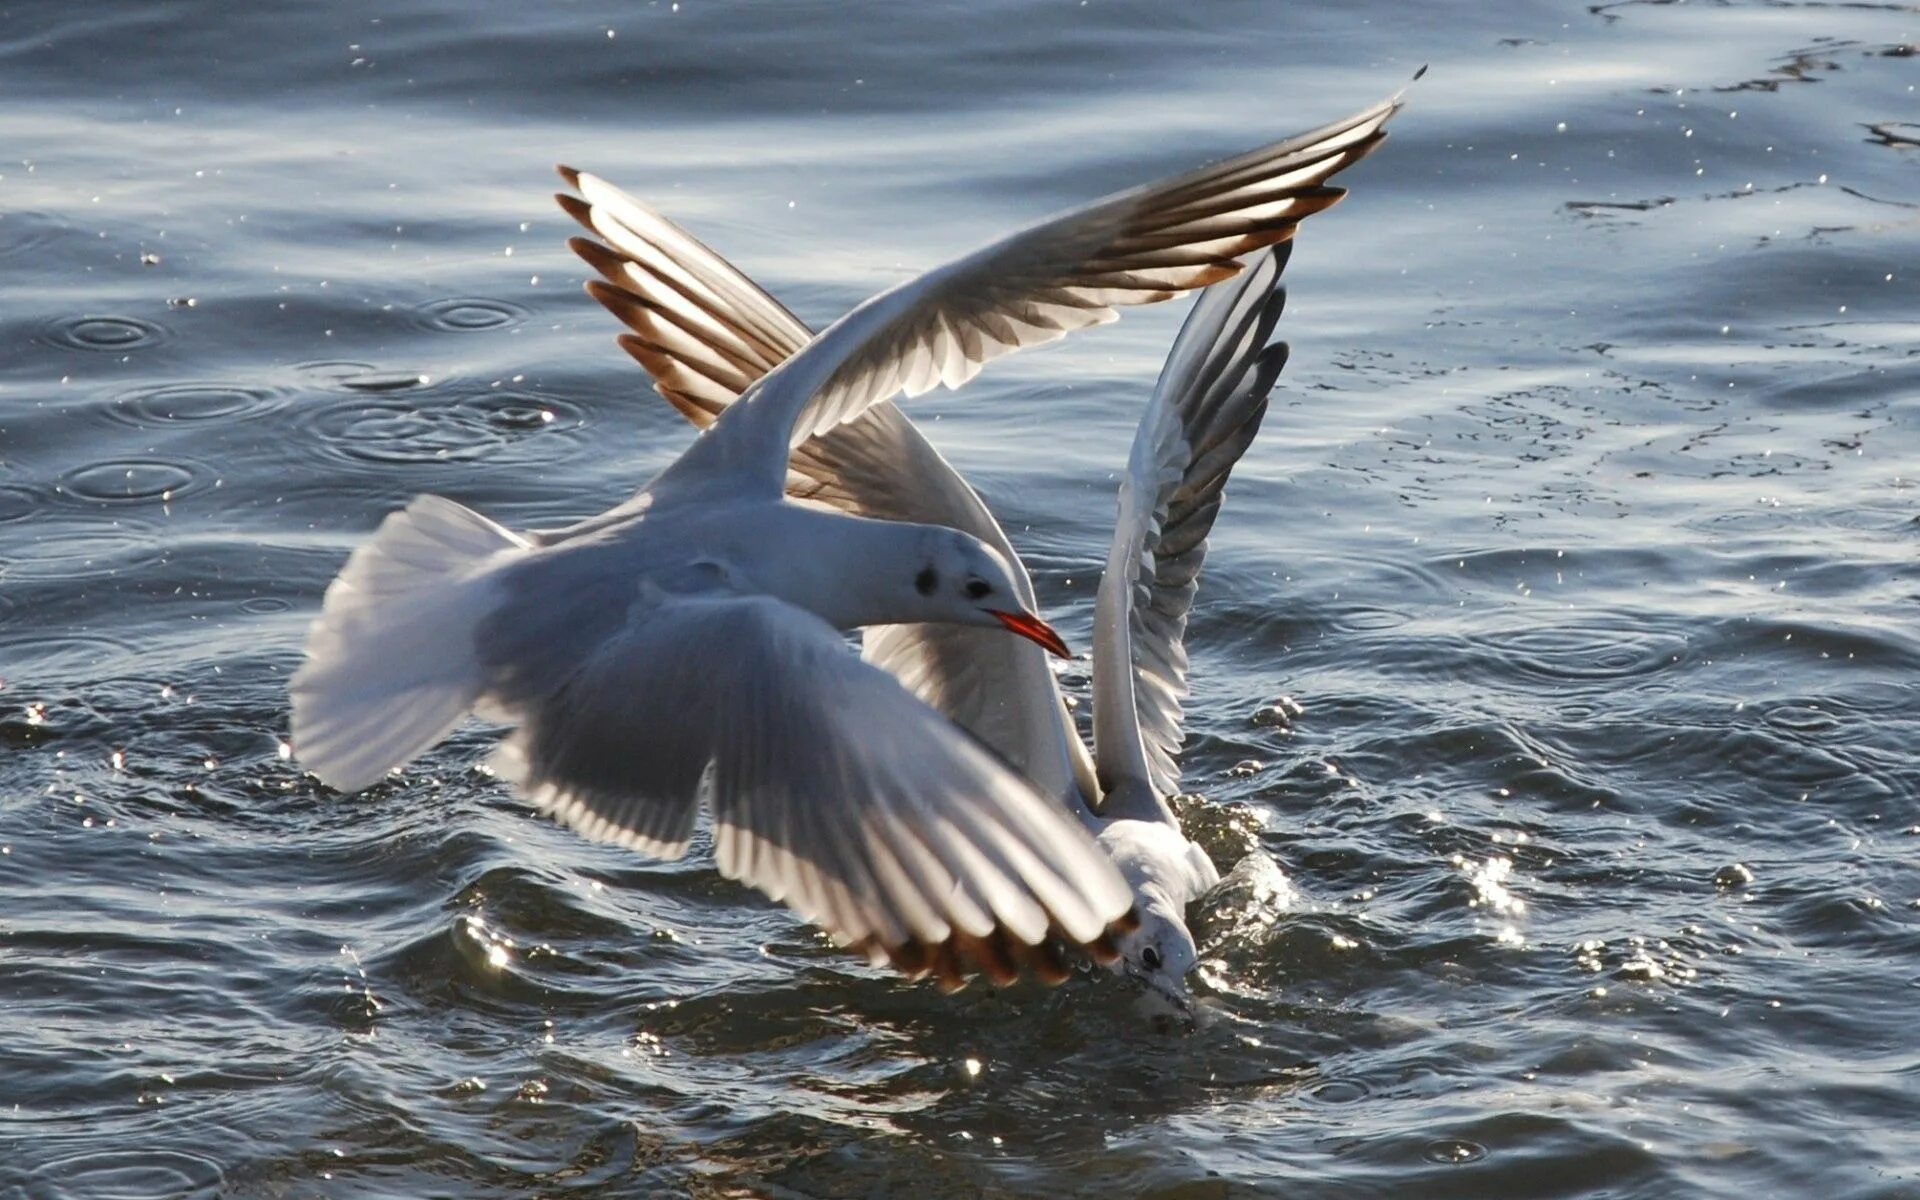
(1165, 871)
(1158, 955)
(960, 580)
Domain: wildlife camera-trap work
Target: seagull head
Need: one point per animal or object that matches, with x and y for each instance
(1158, 955)
(960, 580)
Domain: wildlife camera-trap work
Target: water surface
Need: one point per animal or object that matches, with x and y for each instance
(1584, 529)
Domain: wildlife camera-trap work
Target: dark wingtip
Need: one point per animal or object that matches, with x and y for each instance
(575, 207)
(573, 177)
(1417, 74)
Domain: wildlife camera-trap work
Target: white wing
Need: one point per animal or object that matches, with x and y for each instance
(706, 332)
(1137, 247)
(831, 788)
(1205, 411)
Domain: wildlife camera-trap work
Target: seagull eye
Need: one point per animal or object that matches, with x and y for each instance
(978, 589)
(1150, 958)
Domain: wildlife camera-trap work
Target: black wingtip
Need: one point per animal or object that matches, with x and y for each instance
(572, 176)
(1417, 74)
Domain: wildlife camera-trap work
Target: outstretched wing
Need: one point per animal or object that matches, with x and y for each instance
(706, 333)
(832, 789)
(1205, 411)
(1137, 247)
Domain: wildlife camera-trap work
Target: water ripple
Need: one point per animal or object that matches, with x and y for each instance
(126, 1174)
(60, 655)
(1595, 651)
(134, 480)
(194, 402)
(18, 503)
(391, 430)
(71, 548)
(107, 334)
(469, 314)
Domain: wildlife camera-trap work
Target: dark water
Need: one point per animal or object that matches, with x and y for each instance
(1586, 531)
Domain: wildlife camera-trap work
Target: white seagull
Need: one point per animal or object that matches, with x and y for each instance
(686, 644)
(1205, 411)
(707, 334)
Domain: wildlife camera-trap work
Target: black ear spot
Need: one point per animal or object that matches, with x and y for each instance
(978, 589)
(1150, 958)
(926, 581)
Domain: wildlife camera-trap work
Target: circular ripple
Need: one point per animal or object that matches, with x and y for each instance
(64, 655)
(1341, 1091)
(333, 370)
(186, 402)
(18, 503)
(1584, 654)
(108, 334)
(1368, 619)
(127, 1175)
(469, 314)
(69, 551)
(263, 605)
(396, 430)
(131, 481)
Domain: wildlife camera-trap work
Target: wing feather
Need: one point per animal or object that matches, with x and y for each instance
(832, 790)
(1205, 411)
(1137, 247)
(878, 465)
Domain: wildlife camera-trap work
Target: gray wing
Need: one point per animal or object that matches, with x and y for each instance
(1137, 247)
(706, 333)
(1205, 411)
(831, 788)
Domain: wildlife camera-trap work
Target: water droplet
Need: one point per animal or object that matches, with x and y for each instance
(1454, 1152)
(1733, 875)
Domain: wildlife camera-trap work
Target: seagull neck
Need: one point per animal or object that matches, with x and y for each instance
(848, 571)
(1134, 799)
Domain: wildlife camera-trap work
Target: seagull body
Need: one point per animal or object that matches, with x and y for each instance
(685, 646)
(709, 335)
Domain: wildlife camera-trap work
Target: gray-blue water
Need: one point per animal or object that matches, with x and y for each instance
(1585, 528)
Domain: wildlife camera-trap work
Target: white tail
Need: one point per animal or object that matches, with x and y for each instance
(391, 663)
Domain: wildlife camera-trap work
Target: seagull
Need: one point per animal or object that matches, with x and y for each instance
(711, 337)
(1204, 413)
(685, 647)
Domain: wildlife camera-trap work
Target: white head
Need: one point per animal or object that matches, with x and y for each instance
(1158, 955)
(960, 580)
(856, 571)
(1165, 871)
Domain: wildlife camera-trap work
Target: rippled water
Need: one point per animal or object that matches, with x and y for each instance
(1585, 532)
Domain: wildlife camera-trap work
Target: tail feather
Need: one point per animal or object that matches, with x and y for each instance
(391, 664)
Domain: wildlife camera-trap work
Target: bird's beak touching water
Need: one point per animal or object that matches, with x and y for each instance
(1034, 630)
(1163, 1000)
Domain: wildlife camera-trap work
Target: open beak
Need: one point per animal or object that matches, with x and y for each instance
(1034, 630)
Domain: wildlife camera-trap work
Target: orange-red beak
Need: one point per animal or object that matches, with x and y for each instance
(1035, 630)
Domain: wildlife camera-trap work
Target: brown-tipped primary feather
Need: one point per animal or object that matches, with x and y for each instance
(1138, 247)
